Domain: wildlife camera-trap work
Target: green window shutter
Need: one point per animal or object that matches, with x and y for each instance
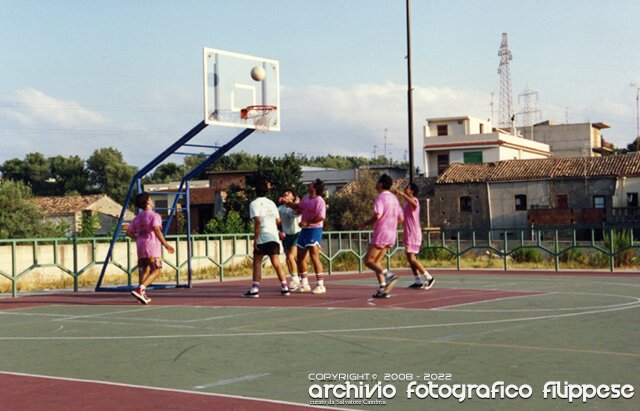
(472, 157)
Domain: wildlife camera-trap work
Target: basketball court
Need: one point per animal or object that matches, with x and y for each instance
(209, 347)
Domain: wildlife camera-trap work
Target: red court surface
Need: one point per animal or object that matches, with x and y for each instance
(228, 294)
(25, 392)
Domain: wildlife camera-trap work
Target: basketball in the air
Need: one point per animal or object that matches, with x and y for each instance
(258, 73)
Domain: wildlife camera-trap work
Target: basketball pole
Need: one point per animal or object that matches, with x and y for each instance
(409, 93)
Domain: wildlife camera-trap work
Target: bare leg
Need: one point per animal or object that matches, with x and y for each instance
(372, 260)
(291, 254)
(301, 259)
(150, 277)
(415, 265)
(142, 275)
(314, 252)
(257, 268)
(275, 262)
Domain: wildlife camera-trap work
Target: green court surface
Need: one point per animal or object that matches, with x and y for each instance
(574, 328)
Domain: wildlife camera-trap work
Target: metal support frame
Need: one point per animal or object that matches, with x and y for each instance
(184, 189)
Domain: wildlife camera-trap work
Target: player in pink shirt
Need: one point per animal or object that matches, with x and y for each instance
(386, 216)
(313, 210)
(146, 229)
(412, 237)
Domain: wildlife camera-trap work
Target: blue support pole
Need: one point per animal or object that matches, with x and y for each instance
(221, 150)
(135, 182)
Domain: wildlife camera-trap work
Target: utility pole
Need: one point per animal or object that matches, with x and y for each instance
(409, 93)
(633, 84)
(385, 142)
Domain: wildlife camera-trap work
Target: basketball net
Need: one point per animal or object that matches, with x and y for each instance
(260, 115)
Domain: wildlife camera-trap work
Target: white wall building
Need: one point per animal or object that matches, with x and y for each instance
(470, 140)
(570, 140)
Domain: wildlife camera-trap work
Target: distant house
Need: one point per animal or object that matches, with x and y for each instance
(570, 140)
(554, 191)
(470, 140)
(335, 180)
(71, 209)
(206, 196)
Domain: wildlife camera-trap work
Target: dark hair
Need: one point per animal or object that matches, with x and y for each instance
(318, 185)
(262, 188)
(288, 190)
(141, 200)
(385, 181)
(414, 188)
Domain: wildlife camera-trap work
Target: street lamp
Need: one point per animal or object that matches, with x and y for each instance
(634, 84)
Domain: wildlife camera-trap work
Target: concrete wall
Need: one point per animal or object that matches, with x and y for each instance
(217, 250)
(566, 140)
(624, 186)
(503, 204)
(445, 206)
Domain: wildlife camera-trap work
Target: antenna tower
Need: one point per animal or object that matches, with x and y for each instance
(505, 103)
(529, 113)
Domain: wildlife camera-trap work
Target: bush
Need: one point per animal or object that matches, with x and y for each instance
(621, 240)
(527, 255)
(437, 254)
(232, 223)
(572, 255)
(598, 260)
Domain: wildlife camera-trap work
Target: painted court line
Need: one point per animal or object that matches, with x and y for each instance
(170, 390)
(636, 300)
(323, 331)
(232, 381)
(136, 310)
(448, 307)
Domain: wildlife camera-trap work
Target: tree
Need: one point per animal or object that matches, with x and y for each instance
(232, 223)
(165, 173)
(33, 170)
(110, 173)
(90, 225)
(633, 146)
(19, 217)
(349, 208)
(69, 175)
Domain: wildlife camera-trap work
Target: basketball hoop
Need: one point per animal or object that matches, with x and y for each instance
(260, 115)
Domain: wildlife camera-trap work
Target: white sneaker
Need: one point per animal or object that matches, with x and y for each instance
(429, 283)
(319, 290)
(303, 288)
(294, 285)
(391, 280)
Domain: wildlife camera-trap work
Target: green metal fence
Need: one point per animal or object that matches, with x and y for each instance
(609, 247)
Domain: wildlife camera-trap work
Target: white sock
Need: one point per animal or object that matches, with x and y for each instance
(427, 275)
(142, 288)
(305, 280)
(295, 278)
(418, 279)
(320, 283)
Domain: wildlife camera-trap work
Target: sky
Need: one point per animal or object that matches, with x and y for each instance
(76, 75)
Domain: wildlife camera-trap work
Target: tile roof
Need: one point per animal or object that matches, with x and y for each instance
(540, 169)
(65, 205)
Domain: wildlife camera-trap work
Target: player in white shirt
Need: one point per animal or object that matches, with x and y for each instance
(266, 241)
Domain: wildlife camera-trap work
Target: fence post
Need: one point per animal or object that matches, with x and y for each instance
(14, 269)
(556, 257)
(458, 250)
(505, 248)
(360, 252)
(75, 262)
(611, 251)
(329, 254)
